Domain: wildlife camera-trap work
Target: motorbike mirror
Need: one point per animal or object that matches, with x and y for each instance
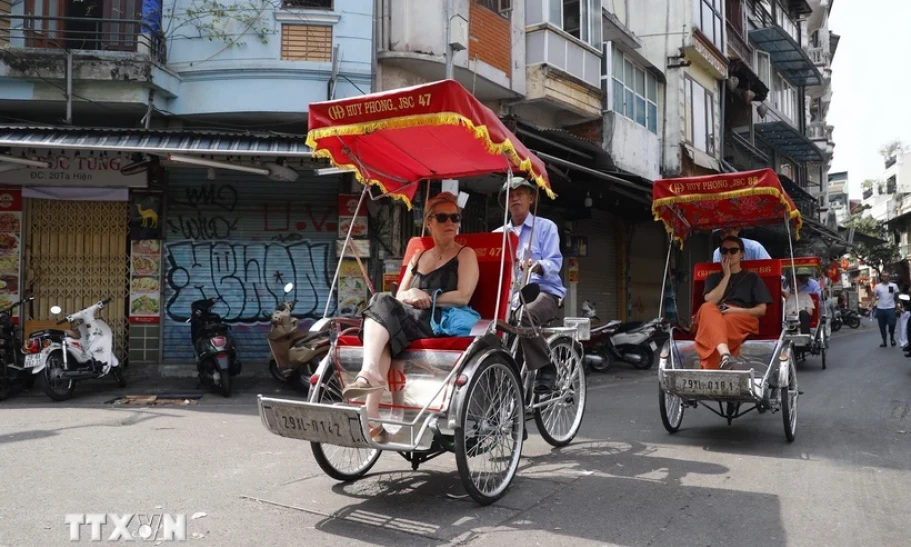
(56, 310)
(289, 287)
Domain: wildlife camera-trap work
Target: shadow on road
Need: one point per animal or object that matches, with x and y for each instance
(604, 492)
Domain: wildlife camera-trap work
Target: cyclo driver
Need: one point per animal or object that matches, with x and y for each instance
(546, 262)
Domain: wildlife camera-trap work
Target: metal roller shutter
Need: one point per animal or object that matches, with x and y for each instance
(243, 237)
(598, 270)
(647, 254)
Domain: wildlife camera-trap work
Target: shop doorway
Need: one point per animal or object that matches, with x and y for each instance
(77, 254)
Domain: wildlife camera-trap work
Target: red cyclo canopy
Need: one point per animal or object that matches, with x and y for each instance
(728, 200)
(398, 138)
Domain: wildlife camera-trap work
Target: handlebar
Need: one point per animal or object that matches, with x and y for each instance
(106, 302)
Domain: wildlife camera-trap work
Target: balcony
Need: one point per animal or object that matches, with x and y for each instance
(820, 56)
(821, 134)
(413, 46)
(739, 46)
(563, 74)
(112, 60)
(780, 37)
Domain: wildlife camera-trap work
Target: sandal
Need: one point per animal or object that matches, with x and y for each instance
(379, 434)
(361, 387)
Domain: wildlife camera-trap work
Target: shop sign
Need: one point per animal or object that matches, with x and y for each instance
(76, 171)
(356, 247)
(10, 245)
(145, 215)
(348, 214)
(572, 269)
(145, 276)
(352, 289)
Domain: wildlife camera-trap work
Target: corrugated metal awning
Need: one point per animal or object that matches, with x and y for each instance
(788, 57)
(788, 140)
(156, 141)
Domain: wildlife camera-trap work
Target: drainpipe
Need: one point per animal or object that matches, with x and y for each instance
(723, 125)
(374, 44)
(667, 43)
(69, 87)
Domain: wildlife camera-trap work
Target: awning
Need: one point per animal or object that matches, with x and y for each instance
(860, 237)
(702, 159)
(788, 140)
(156, 141)
(789, 58)
(795, 191)
(395, 139)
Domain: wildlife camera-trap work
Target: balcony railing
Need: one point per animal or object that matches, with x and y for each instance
(73, 33)
(818, 131)
(891, 161)
(739, 46)
(550, 47)
(762, 18)
(820, 56)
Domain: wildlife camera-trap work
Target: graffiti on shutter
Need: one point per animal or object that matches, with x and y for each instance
(242, 239)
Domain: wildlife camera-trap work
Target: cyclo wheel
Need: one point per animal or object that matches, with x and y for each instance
(672, 408)
(789, 404)
(559, 420)
(342, 463)
(488, 439)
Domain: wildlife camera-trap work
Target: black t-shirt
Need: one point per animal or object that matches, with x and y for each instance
(745, 289)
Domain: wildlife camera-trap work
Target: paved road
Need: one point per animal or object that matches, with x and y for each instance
(625, 481)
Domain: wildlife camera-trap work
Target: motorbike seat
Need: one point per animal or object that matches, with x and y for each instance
(626, 327)
(74, 334)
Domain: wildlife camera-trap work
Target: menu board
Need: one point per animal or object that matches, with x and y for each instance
(10, 247)
(352, 289)
(145, 281)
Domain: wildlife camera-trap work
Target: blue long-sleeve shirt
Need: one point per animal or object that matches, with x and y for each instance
(545, 251)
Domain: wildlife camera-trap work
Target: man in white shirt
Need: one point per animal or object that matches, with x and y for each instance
(885, 295)
(801, 302)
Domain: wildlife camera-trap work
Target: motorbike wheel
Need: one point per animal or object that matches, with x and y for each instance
(225, 384)
(273, 370)
(853, 322)
(647, 358)
(58, 389)
(836, 326)
(117, 373)
(607, 362)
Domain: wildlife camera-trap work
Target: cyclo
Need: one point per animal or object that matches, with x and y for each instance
(818, 342)
(769, 381)
(466, 395)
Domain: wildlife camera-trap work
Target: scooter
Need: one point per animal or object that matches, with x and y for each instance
(65, 357)
(294, 354)
(12, 369)
(836, 322)
(850, 318)
(633, 342)
(216, 354)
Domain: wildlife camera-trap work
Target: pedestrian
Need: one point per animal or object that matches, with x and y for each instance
(905, 308)
(885, 296)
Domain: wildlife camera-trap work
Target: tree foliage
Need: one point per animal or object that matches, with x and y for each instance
(892, 149)
(876, 256)
(231, 21)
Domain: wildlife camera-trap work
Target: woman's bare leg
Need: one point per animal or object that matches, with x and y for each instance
(374, 398)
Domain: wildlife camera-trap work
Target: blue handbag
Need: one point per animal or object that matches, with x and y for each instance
(453, 321)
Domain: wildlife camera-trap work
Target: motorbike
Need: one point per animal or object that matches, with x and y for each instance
(294, 355)
(12, 360)
(216, 353)
(67, 356)
(634, 342)
(837, 321)
(850, 318)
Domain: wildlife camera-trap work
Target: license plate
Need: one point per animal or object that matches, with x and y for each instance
(33, 360)
(312, 425)
(725, 385)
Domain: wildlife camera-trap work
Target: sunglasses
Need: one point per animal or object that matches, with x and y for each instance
(729, 250)
(442, 217)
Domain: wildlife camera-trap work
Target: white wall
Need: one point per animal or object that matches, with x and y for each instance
(632, 147)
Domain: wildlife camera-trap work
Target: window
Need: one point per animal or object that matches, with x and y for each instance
(307, 4)
(709, 17)
(502, 7)
(700, 116)
(635, 92)
(890, 185)
(764, 67)
(784, 98)
(306, 43)
(580, 18)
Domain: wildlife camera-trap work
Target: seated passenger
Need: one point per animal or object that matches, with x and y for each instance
(752, 249)
(391, 323)
(804, 306)
(735, 299)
